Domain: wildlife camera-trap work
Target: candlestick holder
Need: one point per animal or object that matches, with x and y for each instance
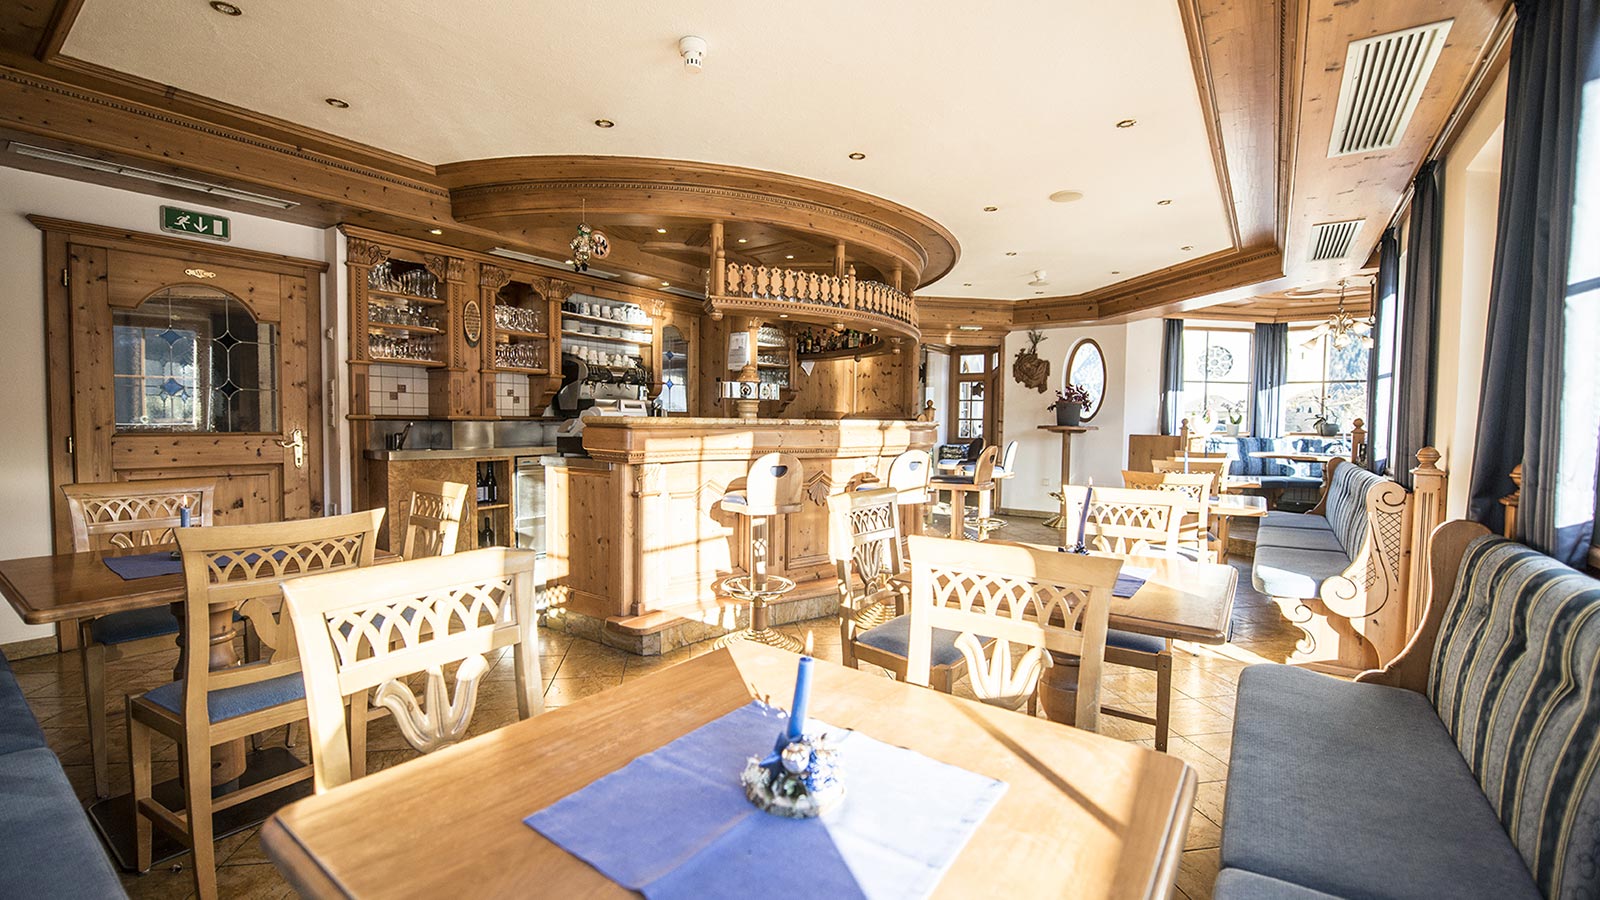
(800, 779)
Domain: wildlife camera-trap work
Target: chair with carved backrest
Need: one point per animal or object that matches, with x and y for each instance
(1216, 466)
(127, 515)
(1132, 522)
(434, 518)
(1046, 601)
(233, 570)
(866, 549)
(361, 631)
(1194, 532)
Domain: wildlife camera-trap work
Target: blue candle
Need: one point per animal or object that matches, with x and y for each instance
(183, 517)
(1083, 516)
(802, 697)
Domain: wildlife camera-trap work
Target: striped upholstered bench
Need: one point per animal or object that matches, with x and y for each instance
(1466, 768)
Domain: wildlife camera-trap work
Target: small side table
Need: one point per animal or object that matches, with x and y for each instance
(1066, 432)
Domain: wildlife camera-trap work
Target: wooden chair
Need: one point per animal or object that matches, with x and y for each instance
(1216, 467)
(361, 631)
(1047, 601)
(909, 475)
(236, 569)
(873, 628)
(435, 518)
(1126, 523)
(1194, 532)
(979, 480)
(127, 515)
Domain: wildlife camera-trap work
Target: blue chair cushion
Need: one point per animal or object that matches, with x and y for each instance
(134, 625)
(1237, 884)
(1280, 519)
(1357, 790)
(894, 636)
(47, 848)
(230, 703)
(1288, 572)
(1252, 466)
(735, 498)
(1298, 539)
(1140, 643)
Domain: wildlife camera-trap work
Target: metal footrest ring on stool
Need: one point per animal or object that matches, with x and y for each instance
(757, 591)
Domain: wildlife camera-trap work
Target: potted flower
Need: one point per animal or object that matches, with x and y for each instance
(1071, 403)
(1325, 426)
(1235, 412)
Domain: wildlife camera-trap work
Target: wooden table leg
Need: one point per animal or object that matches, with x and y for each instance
(1222, 538)
(1058, 689)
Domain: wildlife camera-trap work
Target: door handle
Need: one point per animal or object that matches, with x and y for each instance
(297, 440)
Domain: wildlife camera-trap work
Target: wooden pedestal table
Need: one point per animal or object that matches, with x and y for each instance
(1180, 600)
(1066, 432)
(1226, 507)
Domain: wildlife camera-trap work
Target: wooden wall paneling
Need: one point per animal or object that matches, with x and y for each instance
(139, 275)
(58, 384)
(392, 481)
(318, 391)
(93, 408)
(245, 495)
(295, 335)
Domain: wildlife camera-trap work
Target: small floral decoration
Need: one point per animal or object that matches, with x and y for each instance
(1072, 394)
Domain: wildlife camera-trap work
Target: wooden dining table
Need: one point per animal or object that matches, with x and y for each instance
(1082, 815)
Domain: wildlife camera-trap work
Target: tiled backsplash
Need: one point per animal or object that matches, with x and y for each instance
(399, 390)
(511, 394)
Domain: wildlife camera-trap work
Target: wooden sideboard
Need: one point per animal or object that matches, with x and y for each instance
(637, 537)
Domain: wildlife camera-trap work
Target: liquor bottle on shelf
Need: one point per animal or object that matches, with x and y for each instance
(491, 486)
(483, 489)
(486, 534)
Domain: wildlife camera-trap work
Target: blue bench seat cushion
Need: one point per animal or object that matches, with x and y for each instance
(230, 703)
(134, 625)
(1140, 643)
(1280, 519)
(47, 848)
(894, 636)
(1287, 482)
(19, 730)
(1298, 538)
(1237, 884)
(1291, 572)
(1357, 790)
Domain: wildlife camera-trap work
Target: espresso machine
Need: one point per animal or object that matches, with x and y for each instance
(587, 391)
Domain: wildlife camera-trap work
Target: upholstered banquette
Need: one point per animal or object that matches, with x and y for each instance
(47, 848)
(1466, 768)
(1344, 562)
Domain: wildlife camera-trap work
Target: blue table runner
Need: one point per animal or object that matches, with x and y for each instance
(675, 822)
(144, 565)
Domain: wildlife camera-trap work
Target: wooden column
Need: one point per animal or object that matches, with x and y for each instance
(717, 283)
(1427, 513)
(490, 280)
(838, 260)
(748, 409)
(456, 391)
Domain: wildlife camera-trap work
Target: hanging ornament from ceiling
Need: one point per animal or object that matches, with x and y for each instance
(588, 243)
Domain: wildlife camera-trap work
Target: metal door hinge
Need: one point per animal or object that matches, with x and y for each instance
(65, 281)
(69, 445)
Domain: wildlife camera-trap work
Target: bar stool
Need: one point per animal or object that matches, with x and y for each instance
(909, 476)
(979, 480)
(774, 487)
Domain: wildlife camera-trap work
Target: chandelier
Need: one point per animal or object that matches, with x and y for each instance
(1342, 328)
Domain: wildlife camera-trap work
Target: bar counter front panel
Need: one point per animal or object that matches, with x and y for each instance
(636, 531)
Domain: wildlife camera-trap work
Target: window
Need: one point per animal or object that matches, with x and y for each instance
(154, 377)
(1086, 368)
(1216, 377)
(971, 383)
(1325, 381)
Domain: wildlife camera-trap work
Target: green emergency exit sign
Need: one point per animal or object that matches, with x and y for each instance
(196, 224)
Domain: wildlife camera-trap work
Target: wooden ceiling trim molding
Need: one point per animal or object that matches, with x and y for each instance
(176, 247)
(55, 33)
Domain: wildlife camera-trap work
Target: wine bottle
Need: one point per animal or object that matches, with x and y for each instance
(491, 486)
(481, 494)
(486, 536)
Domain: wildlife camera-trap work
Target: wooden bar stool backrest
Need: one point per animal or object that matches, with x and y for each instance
(367, 629)
(775, 484)
(983, 471)
(130, 514)
(1126, 522)
(909, 474)
(865, 546)
(435, 518)
(1045, 600)
(1008, 462)
(241, 568)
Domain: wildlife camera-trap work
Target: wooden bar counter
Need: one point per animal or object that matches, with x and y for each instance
(637, 541)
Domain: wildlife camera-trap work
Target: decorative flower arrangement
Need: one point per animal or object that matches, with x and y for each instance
(1072, 394)
(800, 781)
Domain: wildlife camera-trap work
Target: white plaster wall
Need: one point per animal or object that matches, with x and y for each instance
(24, 467)
(938, 389)
(1130, 402)
(1471, 205)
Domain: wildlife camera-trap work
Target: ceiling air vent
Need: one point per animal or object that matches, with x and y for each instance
(1383, 81)
(1332, 240)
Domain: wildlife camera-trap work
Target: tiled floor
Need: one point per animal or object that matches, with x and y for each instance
(1204, 680)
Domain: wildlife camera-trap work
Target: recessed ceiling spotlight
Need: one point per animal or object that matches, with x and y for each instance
(858, 155)
(744, 240)
(666, 284)
(783, 315)
(604, 123)
(874, 330)
(969, 327)
(1038, 292)
(1163, 202)
(569, 262)
(790, 256)
(227, 9)
(1116, 271)
(436, 231)
(1067, 196)
(991, 209)
(661, 231)
(1127, 123)
(838, 324)
(966, 284)
(336, 103)
(1186, 247)
(1011, 253)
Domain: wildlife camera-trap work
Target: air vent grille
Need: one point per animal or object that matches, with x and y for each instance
(1383, 81)
(1332, 240)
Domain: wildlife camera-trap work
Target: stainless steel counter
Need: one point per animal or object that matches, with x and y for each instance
(464, 453)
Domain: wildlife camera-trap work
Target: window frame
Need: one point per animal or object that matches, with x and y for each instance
(1247, 422)
(1296, 338)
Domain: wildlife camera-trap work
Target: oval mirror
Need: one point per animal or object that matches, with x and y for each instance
(1086, 368)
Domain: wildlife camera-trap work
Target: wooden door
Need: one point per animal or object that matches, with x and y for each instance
(974, 395)
(188, 362)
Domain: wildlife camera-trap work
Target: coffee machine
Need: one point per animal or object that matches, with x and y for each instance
(593, 391)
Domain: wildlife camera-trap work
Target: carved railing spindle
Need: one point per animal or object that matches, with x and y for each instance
(1511, 501)
(1428, 483)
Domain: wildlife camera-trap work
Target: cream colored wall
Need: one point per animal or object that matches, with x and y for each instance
(1471, 204)
(24, 467)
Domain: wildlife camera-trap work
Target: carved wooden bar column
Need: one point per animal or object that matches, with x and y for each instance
(490, 280)
(748, 409)
(719, 261)
(1427, 513)
(838, 260)
(1511, 501)
(452, 393)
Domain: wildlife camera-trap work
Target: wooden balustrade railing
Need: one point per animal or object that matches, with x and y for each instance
(824, 294)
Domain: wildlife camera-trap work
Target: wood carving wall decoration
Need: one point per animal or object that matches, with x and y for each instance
(1030, 369)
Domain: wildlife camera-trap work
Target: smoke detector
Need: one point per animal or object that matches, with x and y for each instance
(693, 51)
(1038, 278)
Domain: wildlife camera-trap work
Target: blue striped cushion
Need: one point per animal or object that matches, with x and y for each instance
(1516, 681)
(1347, 505)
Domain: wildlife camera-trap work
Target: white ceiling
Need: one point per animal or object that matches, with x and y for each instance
(958, 105)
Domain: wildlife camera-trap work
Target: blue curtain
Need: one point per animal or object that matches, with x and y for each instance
(1528, 347)
(1171, 374)
(1416, 409)
(1380, 362)
(1267, 378)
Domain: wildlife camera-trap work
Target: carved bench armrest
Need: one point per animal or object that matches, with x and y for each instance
(1411, 667)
